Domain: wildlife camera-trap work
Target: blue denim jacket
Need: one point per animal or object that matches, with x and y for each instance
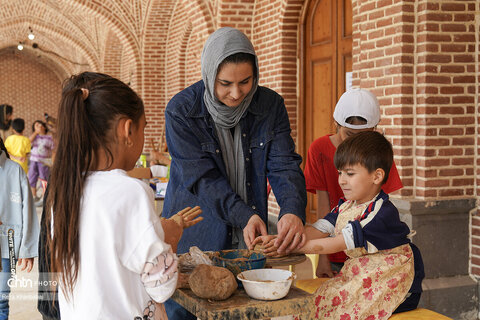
(198, 174)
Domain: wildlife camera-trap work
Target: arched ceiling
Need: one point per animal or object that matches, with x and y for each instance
(73, 33)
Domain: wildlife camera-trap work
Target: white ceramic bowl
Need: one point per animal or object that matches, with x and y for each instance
(267, 284)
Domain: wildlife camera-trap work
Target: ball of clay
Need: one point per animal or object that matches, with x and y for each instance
(212, 282)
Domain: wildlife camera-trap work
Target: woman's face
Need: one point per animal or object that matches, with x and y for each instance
(233, 83)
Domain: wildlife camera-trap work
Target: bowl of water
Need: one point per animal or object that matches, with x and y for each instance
(239, 260)
(266, 284)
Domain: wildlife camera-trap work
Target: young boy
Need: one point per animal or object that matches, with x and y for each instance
(384, 271)
(17, 212)
(18, 145)
(357, 110)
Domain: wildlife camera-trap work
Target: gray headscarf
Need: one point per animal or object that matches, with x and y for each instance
(221, 44)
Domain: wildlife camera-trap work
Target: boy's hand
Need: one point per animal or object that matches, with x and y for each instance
(187, 217)
(26, 263)
(267, 245)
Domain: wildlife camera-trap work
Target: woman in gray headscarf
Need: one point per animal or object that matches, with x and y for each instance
(226, 136)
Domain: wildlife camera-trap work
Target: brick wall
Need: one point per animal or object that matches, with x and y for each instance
(418, 58)
(30, 87)
(154, 81)
(112, 56)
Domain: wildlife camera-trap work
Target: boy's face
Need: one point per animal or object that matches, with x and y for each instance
(358, 184)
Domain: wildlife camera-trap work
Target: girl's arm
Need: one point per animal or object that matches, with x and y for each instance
(33, 136)
(174, 226)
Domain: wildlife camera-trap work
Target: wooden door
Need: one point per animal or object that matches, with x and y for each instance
(328, 56)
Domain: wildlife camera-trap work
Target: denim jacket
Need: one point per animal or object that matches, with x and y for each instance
(198, 174)
(17, 210)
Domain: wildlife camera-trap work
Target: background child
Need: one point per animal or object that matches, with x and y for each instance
(108, 244)
(48, 296)
(18, 145)
(384, 267)
(42, 147)
(357, 110)
(6, 114)
(17, 212)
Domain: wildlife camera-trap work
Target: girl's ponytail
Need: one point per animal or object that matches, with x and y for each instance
(70, 166)
(89, 108)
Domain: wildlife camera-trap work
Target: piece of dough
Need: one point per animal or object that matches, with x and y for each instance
(212, 282)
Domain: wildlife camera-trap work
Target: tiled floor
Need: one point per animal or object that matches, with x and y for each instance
(23, 303)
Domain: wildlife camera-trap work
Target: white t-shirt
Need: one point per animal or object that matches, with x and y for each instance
(119, 233)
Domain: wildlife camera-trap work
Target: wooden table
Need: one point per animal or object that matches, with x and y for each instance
(241, 306)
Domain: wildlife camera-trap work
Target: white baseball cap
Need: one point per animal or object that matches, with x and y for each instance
(357, 103)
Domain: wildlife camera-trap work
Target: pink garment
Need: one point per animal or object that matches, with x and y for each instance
(42, 147)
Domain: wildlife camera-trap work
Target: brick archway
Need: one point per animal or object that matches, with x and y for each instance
(186, 44)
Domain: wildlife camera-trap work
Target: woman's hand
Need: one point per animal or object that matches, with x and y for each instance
(254, 227)
(291, 234)
(187, 217)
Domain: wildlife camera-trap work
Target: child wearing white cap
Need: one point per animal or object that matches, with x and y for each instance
(357, 110)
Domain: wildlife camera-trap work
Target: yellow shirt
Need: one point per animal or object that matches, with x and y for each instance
(19, 147)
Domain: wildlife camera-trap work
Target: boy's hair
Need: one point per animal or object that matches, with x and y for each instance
(42, 123)
(18, 124)
(369, 149)
(358, 119)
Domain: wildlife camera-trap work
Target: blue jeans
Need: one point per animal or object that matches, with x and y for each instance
(4, 289)
(177, 312)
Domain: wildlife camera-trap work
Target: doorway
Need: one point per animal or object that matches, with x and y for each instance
(327, 47)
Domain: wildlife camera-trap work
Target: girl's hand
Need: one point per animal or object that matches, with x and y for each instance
(187, 217)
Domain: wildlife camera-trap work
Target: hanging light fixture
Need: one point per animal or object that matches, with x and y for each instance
(20, 46)
(31, 36)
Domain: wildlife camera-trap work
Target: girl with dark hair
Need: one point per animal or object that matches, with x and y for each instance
(6, 116)
(107, 243)
(42, 149)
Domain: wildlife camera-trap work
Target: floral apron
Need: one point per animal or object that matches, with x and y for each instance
(370, 286)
